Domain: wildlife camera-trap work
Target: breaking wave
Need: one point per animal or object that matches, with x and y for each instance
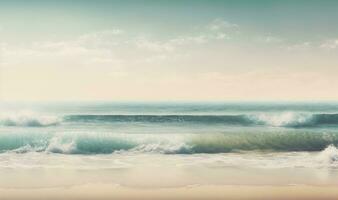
(288, 119)
(166, 144)
(28, 120)
(329, 155)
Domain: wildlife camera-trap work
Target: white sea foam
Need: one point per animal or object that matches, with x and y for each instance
(283, 119)
(28, 119)
(69, 142)
(326, 159)
(329, 155)
(164, 148)
(56, 145)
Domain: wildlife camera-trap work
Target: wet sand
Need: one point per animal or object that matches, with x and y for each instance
(36, 176)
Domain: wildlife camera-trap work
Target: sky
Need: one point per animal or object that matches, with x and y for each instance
(189, 50)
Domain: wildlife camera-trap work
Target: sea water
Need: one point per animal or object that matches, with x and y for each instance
(168, 144)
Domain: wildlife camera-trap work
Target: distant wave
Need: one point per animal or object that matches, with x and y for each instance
(210, 119)
(288, 119)
(96, 143)
(28, 120)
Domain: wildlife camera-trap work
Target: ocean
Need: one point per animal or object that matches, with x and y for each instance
(168, 144)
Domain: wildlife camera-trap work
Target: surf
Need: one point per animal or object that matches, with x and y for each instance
(285, 119)
(108, 143)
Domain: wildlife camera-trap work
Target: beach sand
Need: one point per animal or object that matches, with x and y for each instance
(106, 191)
(36, 176)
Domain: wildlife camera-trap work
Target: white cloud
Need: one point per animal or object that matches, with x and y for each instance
(105, 38)
(220, 24)
(216, 30)
(187, 40)
(330, 44)
(300, 46)
(118, 48)
(97, 48)
(114, 47)
(270, 39)
(156, 46)
(204, 60)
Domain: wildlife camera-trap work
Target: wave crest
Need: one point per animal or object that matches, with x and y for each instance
(79, 143)
(288, 119)
(28, 120)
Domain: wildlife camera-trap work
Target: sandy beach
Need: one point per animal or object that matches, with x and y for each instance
(104, 191)
(36, 176)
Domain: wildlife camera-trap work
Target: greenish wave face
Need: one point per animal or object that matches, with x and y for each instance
(164, 128)
(105, 143)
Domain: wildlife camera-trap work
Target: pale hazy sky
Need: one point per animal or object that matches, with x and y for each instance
(169, 50)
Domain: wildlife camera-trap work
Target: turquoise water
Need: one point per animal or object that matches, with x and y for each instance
(167, 128)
